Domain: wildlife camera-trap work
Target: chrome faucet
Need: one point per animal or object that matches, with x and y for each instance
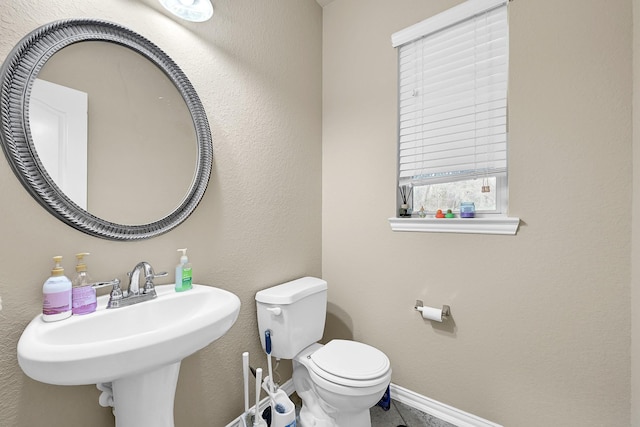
(133, 294)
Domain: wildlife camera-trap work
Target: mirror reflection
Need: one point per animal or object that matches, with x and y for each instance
(139, 155)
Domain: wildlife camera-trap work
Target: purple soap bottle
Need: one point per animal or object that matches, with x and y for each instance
(56, 292)
(83, 294)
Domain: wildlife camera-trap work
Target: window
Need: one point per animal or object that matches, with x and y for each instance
(452, 132)
(449, 195)
(452, 97)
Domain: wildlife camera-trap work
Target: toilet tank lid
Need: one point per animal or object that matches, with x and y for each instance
(290, 292)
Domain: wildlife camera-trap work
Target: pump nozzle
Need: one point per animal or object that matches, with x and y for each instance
(183, 258)
(57, 268)
(80, 265)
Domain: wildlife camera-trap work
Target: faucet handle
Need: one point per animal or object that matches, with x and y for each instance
(116, 294)
(149, 287)
(149, 273)
(98, 285)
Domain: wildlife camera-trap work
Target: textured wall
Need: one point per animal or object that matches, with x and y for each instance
(635, 253)
(257, 69)
(541, 321)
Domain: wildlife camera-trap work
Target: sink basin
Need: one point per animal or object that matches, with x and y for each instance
(111, 344)
(129, 345)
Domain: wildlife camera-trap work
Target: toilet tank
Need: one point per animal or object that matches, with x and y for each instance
(295, 313)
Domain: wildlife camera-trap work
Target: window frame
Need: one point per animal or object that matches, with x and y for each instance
(485, 222)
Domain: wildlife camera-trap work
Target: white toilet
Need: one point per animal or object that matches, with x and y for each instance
(338, 382)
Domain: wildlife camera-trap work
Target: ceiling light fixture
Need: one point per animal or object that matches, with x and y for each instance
(191, 10)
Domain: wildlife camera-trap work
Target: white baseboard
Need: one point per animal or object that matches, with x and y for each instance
(422, 403)
(437, 409)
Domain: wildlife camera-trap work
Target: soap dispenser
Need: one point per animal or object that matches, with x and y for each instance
(183, 273)
(83, 294)
(56, 292)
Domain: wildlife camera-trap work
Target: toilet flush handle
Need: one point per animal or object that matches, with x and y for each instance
(276, 311)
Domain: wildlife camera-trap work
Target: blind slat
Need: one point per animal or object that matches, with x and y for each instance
(452, 96)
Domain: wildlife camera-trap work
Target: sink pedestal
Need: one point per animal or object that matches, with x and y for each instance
(146, 399)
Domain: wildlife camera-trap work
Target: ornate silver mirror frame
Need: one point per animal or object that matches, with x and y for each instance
(17, 75)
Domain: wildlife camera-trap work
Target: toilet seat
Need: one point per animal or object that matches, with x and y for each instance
(350, 363)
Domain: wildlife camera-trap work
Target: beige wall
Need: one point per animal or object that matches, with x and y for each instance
(257, 69)
(635, 251)
(541, 321)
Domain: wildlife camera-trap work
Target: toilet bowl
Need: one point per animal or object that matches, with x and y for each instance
(337, 382)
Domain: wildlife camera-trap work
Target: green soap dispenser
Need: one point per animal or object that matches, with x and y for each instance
(183, 273)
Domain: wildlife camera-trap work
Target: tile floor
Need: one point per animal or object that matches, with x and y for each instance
(398, 415)
(402, 415)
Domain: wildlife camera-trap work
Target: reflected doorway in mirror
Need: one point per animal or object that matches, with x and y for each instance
(58, 118)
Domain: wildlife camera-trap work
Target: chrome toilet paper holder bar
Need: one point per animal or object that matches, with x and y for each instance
(446, 310)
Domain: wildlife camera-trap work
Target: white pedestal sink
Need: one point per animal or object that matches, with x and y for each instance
(137, 348)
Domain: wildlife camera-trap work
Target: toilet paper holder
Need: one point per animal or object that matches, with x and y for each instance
(446, 310)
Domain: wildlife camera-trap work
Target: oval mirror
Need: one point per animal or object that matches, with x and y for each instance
(140, 162)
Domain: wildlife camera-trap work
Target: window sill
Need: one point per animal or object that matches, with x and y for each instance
(498, 225)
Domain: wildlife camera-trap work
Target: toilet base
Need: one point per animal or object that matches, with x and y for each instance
(311, 416)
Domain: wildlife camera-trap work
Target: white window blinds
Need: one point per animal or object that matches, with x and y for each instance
(453, 94)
